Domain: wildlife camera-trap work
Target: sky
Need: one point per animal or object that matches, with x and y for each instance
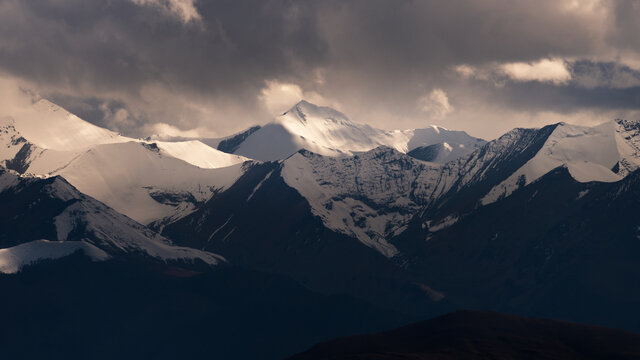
(209, 68)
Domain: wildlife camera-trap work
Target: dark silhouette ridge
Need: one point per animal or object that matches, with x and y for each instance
(483, 335)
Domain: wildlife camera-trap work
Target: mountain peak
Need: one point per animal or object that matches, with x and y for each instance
(49, 126)
(326, 131)
(305, 111)
(304, 102)
(45, 104)
(299, 106)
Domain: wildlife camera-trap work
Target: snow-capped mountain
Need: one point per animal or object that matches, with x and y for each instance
(360, 199)
(607, 153)
(325, 131)
(326, 221)
(370, 196)
(49, 126)
(535, 221)
(35, 209)
(262, 222)
(137, 180)
(147, 181)
(376, 196)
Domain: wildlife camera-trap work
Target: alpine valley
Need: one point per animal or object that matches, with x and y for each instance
(307, 228)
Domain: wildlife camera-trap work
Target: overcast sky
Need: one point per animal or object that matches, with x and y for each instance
(213, 67)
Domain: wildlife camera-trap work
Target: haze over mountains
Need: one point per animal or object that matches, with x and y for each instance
(413, 223)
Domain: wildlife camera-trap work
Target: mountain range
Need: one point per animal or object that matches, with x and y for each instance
(412, 223)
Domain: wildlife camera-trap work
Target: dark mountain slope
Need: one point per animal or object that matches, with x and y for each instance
(232, 143)
(556, 248)
(427, 153)
(483, 335)
(52, 209)
(75, 309)
(20, 223)
(486, 167)
(262, 223)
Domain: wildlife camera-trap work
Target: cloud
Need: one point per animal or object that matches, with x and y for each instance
(554, 71)
(465, 71)
(591, 75)
(15, 96)
(436, 104)
(278, 97)
(183, 9)
(116, 117)
(163, 131)
(546, 70)
(222, 66)
(585, 73)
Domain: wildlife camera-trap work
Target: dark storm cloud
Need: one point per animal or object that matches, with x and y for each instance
(626, 27)
(590, 74)
(127, 64)
(115, 48)
(118, 44)
(566, 99)
(592, 85)
(426, 33)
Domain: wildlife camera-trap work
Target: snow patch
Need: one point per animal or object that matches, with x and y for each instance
(196, 153)
(445, 223)
(218, 229)
(13, 259)
(582, 193)
(257, 187)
